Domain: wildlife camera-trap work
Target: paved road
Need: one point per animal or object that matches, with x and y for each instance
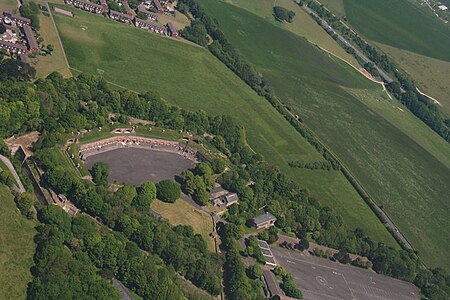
(320, 278)
(358, 53)
(10, 167)
(123, 290)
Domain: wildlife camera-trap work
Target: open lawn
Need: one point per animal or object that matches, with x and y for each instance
(8, 5)
(431, 75)
(191, 77)
(400, 24)
(336, 6)
(182, 213)
(47, 64)
(16, 250)
(302, 25)
(402, 163)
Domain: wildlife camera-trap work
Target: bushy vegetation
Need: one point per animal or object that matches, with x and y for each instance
(168, 190)
(282, 14)
(31, 11)
(288, 283)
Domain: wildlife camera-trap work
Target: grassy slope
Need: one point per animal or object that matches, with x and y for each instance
(17, 248)
(46, 64)
(400, 24)
(190, 77)
(402, 163)
(182, 213)
(8, 5)
(302, 24)
(336, 6)
(432, 75)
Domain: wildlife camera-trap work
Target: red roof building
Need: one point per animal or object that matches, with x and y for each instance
(150, 26)
(150, 15)
(158, 6)
(31, 40)
(172, 31)
(118, 16)
(88, 6)
(14, 48)
(20, 21)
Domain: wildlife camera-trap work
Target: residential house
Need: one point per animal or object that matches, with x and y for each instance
(172, 31)
(150, 15)
(231, 199)
(20, 21)
(158, 6)
(150, 26)
(31, 40)
(263, 221)
(11, 47)
(88, 6)
(121, 17)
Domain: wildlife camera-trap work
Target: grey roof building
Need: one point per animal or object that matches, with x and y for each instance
(264, 221)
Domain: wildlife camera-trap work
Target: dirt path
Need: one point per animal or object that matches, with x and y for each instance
(10, 167)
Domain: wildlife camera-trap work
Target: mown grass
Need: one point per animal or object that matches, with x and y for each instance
(402, 163)
(302, 24)
(17, 248)
(336, 6)
(182, 213)
(400, 24)
(190, 77)
(51, 63)
(8, 5)
(431, 75)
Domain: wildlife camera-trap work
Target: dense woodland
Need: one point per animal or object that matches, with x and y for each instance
(141, 251)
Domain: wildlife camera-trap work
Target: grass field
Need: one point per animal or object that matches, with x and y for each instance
(47, 64)
(431, 75)
(402, 163)
(400, 24)
(17, 248)
(8, 5)
(190, 77)
(302, 24)
(336, 6)
(182, 213)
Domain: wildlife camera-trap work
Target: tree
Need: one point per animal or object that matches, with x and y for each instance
(141, 15)
(255, 271)
(30, 10)
(55, 215)
(218, 165)
(168, 190)
(146, 193)
(283, 14)
(50, 48)
(303, 244)
(24, 203)
(100, 173)
(201, 197)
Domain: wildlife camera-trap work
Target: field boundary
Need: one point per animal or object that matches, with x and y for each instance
(57, 34)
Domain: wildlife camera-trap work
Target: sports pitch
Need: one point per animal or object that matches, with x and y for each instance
(319, 278)
(136, 166)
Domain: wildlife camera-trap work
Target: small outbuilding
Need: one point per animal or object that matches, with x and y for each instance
(263, 221)
(231, 199)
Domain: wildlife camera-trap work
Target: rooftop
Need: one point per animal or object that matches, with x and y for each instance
(267, 217)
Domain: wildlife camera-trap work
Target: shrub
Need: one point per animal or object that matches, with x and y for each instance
(168, 190)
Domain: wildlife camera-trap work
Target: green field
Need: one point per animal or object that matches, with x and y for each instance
(16, 250)
(192, 78)
(182, 213)
(431, 75)
(302, 24)
(402, 163)
(400, 24)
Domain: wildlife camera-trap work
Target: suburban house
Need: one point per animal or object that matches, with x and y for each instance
(150, 26)
(88, 6)
(150, 15)
(172, 31)
(218, 192)
(231, 199)
(31, 40)
(128, 9)
(20, 21)
(263, 221)
(11, 47)
(118, 16)
(158, 6)
(104, 4)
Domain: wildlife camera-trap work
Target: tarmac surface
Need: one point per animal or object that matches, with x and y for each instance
(136, 166)
(320, 278)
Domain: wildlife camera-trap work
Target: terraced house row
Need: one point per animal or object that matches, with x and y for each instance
(17, 36)
(129, 16)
